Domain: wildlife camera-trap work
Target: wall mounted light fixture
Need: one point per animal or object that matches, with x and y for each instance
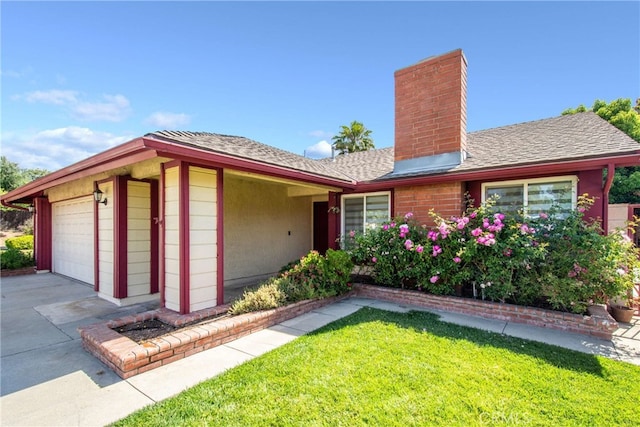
(98, 195)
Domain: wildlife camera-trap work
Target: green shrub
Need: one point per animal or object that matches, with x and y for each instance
(313, 276)
(13, 258)
(21, 243)
(265, 297)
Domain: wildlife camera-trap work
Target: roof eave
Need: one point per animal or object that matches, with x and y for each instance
(122, 155)
(501, 173)
(196, 155)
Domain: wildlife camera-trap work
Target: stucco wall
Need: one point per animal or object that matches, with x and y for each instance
(138, 238)
(264, 228)
(171, 240)
(202, 238)
(105, 244)
(618, 217)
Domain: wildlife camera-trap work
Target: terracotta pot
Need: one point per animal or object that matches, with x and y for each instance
(622, 314)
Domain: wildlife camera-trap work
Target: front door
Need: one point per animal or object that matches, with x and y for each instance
(321, 226)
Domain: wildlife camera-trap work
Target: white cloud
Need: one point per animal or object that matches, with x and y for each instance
(54, 96)
(165, 120)
(53, 149)
(320, 134)
(113, 108)
(318, 151)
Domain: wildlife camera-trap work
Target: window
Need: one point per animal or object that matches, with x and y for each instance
(534, 195)
(364, 212)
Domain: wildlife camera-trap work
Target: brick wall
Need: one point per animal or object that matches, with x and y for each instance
(599, 323)
(431, 107)
(446, 199)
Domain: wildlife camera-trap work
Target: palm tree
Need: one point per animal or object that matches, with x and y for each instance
(353, 138)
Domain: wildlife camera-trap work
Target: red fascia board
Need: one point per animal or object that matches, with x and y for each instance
(125, 154)
(217, 160)
(505, 173)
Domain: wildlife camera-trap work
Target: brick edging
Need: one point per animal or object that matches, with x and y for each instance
(598, 323)
(17, 272)
(128, 358)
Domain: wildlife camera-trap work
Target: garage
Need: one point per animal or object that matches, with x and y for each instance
(73, 250)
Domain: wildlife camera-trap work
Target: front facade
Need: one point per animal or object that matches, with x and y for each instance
(182, 217)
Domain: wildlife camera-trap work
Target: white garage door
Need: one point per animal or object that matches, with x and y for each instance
(73, 239)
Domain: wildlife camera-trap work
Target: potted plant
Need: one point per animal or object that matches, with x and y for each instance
(622, 309)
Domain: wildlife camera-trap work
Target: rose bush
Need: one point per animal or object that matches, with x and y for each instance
(552, 258)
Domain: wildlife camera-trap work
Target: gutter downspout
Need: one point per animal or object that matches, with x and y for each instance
(12, 206)
(611, 171)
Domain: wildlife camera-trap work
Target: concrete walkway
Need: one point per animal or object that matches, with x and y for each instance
(49, 380)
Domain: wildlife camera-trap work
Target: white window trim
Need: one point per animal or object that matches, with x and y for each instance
(364, 196)
(525, 183)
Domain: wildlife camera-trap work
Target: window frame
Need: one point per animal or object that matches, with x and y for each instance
(364, 202)
(526, 182)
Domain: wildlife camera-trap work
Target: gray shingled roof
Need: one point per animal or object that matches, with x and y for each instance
(241, 147)
(570, 137)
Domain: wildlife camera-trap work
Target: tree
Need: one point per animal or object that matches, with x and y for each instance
(10, 175)
(355, 137)
(620, 113)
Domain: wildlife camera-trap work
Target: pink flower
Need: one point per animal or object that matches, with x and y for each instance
(385, 227)
(499, 216)
(582, 209)
(481, 240)
(457, 260)
(408, 215)
(434, 279)
(433, 235)
(444, 230)
(436, 250)
(472, 215)
(408, 244)
(524, 228)
(352, 233)
(543, 215)
(393, 224)
(507, 252)
(419, 249)
(403, 235)
(460, 225)
(485, 223)
(374, 260)
(404, 228)
(476, 232)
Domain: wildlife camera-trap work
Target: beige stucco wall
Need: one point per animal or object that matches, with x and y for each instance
(105, 242)
(263, 228)
(617, 217)
(202, 238)
(138, 238)
(171, 240)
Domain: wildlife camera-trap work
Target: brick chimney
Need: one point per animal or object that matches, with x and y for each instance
(431, 114)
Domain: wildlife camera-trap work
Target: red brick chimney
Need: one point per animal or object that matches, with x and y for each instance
(431, 114)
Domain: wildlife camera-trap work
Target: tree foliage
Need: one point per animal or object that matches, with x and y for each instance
(355, 137)
(12, 176)
(620, 113)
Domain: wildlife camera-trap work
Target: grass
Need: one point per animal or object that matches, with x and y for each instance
(391, 369)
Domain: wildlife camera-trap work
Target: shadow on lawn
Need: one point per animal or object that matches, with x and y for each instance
(424, 322)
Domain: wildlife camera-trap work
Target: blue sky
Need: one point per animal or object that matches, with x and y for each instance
(81, 77)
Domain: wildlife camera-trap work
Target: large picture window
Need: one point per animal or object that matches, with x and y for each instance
(534, 195)
(364, 211)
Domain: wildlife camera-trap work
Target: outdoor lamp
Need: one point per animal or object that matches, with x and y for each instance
(31, 208)
(97, 196)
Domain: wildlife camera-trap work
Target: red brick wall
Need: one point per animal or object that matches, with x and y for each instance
(431, 107)
(445, 199)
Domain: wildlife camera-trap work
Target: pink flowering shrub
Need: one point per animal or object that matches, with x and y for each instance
(552, 260)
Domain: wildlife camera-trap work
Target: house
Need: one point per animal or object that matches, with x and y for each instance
(182, 216)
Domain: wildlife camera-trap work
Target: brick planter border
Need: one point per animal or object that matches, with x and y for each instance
(598, 323)
(128, 358)
(17, 272)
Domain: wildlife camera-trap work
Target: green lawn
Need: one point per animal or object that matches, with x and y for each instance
(389, 369)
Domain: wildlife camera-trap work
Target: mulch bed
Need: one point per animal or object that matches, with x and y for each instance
(149, 329)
